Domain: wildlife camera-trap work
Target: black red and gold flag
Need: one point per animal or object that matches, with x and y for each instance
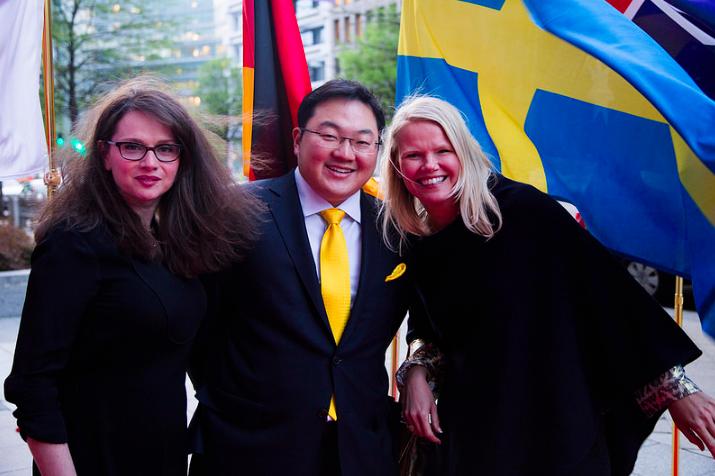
(275, 80)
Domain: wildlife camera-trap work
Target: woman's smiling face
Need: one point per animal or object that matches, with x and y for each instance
(430, 167)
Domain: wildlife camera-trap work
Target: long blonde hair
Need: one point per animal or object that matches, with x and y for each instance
(401, 211)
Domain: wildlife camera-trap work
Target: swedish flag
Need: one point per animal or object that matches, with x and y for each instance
(574, 98)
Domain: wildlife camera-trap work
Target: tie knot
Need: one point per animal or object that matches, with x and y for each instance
(332, 215)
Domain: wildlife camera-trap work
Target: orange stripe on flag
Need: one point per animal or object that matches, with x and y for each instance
(247, 119)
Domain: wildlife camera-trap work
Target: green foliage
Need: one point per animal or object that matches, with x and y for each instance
(101, 41)
(15, 248)
(373, 59)
(220, 87)
(220, 91)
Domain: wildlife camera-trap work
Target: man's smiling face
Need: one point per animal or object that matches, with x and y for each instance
(335, 174)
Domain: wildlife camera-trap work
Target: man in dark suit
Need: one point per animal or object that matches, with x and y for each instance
(292, 379)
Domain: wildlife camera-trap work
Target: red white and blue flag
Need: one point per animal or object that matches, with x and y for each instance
(684, 28)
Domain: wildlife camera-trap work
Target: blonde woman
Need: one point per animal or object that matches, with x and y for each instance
(553, 360)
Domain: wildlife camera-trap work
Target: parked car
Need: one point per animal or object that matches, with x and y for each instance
(659, 284)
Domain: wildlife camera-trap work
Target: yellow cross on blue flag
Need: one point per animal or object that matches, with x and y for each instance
(574, 98)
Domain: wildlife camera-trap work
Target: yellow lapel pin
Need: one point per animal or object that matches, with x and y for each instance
(397, 272)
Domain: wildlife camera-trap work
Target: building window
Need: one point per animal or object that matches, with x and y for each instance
(358, 25)
(314, 36)
(347, 29)
(307, 37)
(317, 71)
(305, 6)
(336, 29)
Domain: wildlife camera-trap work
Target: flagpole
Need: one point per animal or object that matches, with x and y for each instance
(395, 358)
(678, 308)
(52, 177)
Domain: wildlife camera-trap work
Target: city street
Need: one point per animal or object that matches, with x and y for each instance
(654, 459)
(435, 131)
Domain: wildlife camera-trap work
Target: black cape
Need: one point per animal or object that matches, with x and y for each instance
(546, 337)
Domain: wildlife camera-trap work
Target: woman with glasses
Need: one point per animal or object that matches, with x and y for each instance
(553, 360)
(113, 301)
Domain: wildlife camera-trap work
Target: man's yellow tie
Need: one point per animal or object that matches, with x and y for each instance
(335, 279)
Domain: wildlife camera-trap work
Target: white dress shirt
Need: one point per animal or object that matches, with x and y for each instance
(315, 226)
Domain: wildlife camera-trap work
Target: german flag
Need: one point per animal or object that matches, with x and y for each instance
(275, 80)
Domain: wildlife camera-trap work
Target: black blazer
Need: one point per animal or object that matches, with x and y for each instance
(269, 363)
(101, 356)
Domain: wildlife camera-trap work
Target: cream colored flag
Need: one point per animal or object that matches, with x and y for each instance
(23, 148)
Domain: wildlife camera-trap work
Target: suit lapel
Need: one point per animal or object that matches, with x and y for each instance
(167, 287)
(288, 216)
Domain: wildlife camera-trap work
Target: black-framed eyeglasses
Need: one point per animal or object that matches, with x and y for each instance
(135, 152)
(331, 141)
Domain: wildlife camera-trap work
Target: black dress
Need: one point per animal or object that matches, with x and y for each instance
(101, 356)
(546, 338)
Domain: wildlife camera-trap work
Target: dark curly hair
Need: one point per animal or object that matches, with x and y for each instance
(203, 222)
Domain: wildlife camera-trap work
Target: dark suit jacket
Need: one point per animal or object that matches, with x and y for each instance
(269, 364)
(102, 353)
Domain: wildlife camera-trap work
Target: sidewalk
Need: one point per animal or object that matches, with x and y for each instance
(654, 459)
(15, 459)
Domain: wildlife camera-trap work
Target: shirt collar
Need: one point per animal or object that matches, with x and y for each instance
(312, 203)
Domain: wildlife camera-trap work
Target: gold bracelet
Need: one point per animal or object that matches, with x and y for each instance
(414, 346)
